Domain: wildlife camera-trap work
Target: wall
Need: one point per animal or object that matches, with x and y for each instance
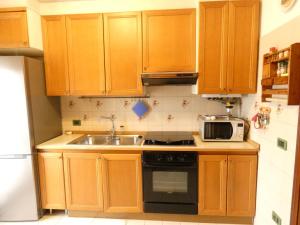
(274, 16)
(71, 7)
(276, 167)
(169, 103)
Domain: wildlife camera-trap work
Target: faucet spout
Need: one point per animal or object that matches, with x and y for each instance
(112, 119)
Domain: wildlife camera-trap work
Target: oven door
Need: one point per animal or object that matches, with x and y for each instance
(170, 184)
(218, 130)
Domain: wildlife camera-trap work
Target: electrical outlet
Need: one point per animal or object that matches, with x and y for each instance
(276, 218)
(281, 143)
(76, 122)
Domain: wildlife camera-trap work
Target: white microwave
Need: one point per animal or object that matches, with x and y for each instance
(221, 128)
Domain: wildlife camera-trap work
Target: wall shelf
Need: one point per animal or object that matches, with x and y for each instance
(281, 75)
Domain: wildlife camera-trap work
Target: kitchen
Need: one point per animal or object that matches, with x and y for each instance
(136, 146)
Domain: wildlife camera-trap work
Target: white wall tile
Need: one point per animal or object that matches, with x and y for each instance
(169, 102)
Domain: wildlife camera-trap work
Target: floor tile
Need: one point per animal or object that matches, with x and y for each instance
(75, 221)
(153, 222)
(104, 221)
(135, 222)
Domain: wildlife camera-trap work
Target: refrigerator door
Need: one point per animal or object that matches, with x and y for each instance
(15, 129)
(17, 190)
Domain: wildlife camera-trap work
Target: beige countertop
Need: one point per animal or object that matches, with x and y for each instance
(60, 143)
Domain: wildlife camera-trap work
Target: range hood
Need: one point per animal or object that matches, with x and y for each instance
(170, 78)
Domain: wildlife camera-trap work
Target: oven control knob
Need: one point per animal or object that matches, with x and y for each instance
(180, 158)
(169, 158)
(160, 158)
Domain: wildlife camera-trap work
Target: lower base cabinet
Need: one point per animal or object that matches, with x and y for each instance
(212, 184)
(227, 185)
(51, 173)
(241, 185)
(83, 181)
(122, 183)
(112, 183)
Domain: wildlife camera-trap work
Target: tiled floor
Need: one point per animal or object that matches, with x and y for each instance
(65, 220)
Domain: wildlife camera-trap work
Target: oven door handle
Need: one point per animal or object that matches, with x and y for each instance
(171, 166)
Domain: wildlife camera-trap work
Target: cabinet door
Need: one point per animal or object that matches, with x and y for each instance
(212, 184)
(55, 55)
(86, 54)
(169, 40)
(51, 175)
(213, 47)
(122, 182)
(243, 46)
(83, 181)
(241, 191)
(123, 53)
(13, 26)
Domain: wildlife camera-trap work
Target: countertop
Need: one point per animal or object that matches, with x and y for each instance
(60, 144)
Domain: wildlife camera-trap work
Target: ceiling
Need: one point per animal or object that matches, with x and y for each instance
(59, 0)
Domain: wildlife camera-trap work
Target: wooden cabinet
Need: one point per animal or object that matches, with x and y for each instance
(83, 181)
(74, 54)
(243, 46)
(228, 47)
(13, 26)
(213, 47)
(86, 54)
(212, 184)
(123, 53)
(169, 40)
(55, 55)
(51, 180)
(227, 185)
(285, 62)
(122, 183)
(241, 188)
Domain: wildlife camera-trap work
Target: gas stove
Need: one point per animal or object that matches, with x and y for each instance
(173, 138)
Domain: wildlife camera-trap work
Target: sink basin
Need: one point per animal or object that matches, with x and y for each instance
(108, 140)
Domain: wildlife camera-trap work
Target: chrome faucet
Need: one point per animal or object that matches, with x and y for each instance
(112, 119)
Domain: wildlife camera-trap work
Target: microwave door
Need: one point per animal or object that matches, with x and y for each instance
(218, 131)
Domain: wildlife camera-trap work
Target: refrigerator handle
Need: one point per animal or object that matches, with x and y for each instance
(13, 156)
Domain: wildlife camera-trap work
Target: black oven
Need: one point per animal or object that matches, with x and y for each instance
(170, 182)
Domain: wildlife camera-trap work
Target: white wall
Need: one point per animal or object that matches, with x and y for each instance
(13, 3)
(276, 167)
(34, 28)
(72, 7)
(274, 16)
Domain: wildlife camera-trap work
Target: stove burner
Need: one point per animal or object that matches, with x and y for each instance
(181, 142)
(169, 138)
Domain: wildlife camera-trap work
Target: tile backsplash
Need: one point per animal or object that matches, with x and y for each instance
(171, 108)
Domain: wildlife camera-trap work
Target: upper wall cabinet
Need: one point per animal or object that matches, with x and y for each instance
(123, 53)
(86, 54)
(55, 55)
(213, 47)
(13, 27)
(169, 40)
(243, 37)
(74, 54)
(228, 47)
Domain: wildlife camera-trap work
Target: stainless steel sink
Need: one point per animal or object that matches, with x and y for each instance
(108, 140)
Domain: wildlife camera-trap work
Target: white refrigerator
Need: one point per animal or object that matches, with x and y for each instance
(27, 118)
